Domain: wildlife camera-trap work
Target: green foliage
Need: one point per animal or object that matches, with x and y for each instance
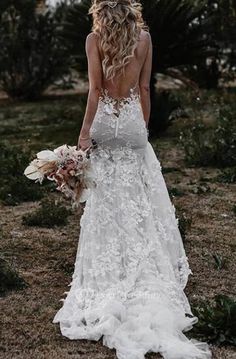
(12, 160)
(225, 35)
(47, 123)
(49, 215)
(214, 146)
(19, 190)
(169, 170)
(220, 262)
(164, 106)
(202, 188)
(32, 56)
(15, 187)
(227, 176)
(175, 192)
(9, 278)
(179, 39)
(216, 322)
(76, 26)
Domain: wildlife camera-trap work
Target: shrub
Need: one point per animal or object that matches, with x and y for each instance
(216, 322)
(165, 19)
(175, 192)
(219, 261)
(32, 56)
(169, 170)
(19, 190)
(214, 146)
(9, 278)
(181, 39)
(15, 187)
(164, 107)
(202, 188)
(49, 214)
(12, 160)
(227, 176)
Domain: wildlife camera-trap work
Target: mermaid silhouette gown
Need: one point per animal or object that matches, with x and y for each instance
(131, 268)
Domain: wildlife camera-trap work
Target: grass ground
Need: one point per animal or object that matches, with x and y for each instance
(45, 257)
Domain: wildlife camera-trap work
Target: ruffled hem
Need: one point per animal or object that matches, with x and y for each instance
(133, 327)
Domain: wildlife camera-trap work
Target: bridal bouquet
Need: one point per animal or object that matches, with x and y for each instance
(68, 167)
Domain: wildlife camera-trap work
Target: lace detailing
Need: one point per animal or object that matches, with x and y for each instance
(114, 106)
(131, 267)
(119, 122)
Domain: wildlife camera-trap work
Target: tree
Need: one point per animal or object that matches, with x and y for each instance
(75, 28)
(179, 30)
(225, 34)
(32, 55)
(179, 38)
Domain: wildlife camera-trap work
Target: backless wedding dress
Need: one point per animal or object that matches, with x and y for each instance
(131, 268)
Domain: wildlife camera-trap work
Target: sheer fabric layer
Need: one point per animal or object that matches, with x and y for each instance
(131, 267)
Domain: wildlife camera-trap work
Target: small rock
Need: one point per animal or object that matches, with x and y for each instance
(16, 234)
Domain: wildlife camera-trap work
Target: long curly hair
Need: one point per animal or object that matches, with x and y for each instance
(118, 25)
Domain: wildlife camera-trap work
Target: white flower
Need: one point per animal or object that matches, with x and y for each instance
(32, 172)
(47, 155)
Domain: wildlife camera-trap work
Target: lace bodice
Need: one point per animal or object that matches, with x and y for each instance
(115, 105)
(119, 122)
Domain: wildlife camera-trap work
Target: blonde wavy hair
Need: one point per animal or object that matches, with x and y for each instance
(118, 25)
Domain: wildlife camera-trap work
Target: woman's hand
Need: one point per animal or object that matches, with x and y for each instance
(84, 143)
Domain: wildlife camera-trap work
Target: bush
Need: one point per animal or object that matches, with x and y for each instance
(181, 39)
(227, 176)
(216, 322)
(15, 187)
(32, 56)
(202, 188)
(50, 214)
(214, 146)
(219, 261)
(9, 278)
(164, 105)
(175, 192)
(19, 190)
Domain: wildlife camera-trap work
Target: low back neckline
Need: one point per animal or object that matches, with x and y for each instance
(114, 105)
(131, 95)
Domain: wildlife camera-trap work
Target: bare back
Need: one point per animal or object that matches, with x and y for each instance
(119, 87)
(136, 77)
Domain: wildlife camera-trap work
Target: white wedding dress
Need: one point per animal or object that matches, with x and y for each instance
(131, 268)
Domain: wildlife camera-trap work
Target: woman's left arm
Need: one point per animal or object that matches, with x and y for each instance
(95, 83)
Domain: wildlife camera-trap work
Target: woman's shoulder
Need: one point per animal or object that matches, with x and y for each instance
(145, 35)
(92, 41)
(91, 37)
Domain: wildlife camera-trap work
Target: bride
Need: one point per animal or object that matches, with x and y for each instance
(131, 268)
